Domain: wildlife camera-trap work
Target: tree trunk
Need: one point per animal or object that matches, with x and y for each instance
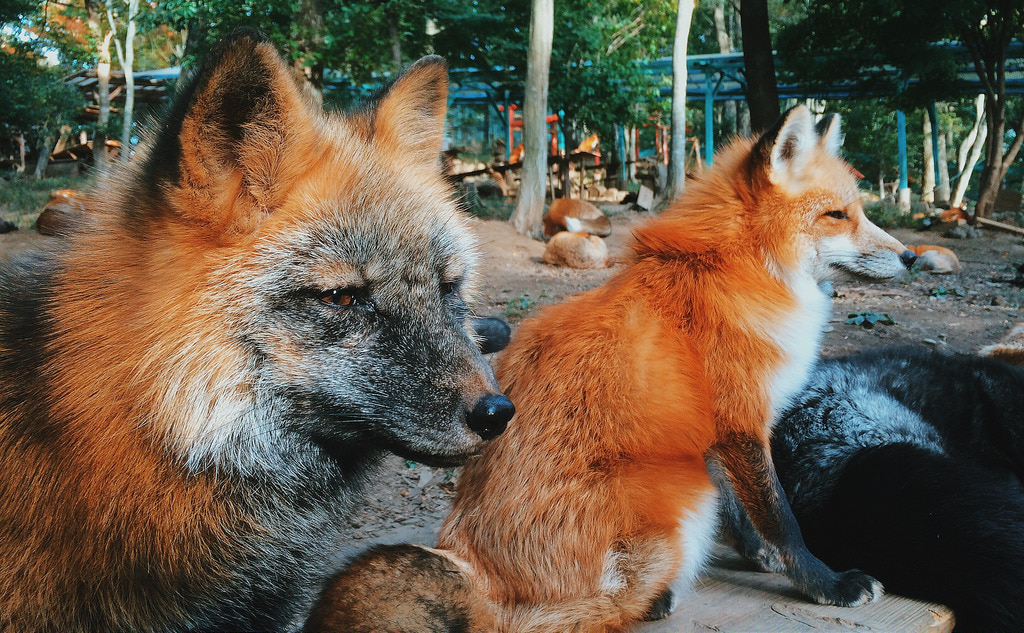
(529, 211)
(1001, 160)
(99, 139)
(729, 112)
(62, 139)
(309, 42)
(987, 41)
(972, 135)
(943, 192)
(194, 36)
(677, 152)
(396, 43)
(126, 57)
(20, 168)
(970, 151)
(928, 186)
(762, 89)
(45, 146)
(991, 173)
(630, 138)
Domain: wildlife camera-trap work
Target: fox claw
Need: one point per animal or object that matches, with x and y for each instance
(852, 588)
(661, 607)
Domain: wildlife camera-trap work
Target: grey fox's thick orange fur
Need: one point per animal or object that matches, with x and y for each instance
(196, 381)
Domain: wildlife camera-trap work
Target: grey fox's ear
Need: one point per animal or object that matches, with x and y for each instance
(783, 151)
(409, 118)
(830, 137)
(221, 146)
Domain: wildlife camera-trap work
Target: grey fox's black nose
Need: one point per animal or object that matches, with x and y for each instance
(908, 258)
(490, 415)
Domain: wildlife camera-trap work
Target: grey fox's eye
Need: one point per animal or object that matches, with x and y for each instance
(448, 287)
(344, 297)
(839, 215)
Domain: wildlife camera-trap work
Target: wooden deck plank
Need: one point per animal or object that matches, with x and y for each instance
(732, 598)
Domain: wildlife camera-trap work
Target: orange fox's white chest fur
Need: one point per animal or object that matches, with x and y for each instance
(798, 337)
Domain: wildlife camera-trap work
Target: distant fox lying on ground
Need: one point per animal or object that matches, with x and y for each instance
(576, 216)
(194, 386)
(909, 464)
(596, 505)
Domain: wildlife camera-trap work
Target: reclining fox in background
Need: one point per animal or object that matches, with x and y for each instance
(597, 504)
(194, 388)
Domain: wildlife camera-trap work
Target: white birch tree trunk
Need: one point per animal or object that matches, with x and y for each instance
(970, 152)
(677, 152)
(126, 57)
(943, 192)
(529, 212)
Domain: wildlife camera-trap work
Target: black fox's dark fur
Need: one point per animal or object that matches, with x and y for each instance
(908, 465)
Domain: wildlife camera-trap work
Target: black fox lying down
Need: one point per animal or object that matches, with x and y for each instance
(907, 464)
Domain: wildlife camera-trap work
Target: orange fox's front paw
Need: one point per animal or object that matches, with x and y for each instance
(662, 606)
(850, 589)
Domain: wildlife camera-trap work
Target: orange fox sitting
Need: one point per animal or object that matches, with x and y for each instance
(597, 505)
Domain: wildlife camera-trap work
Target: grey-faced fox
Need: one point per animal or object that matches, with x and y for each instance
(195, 385)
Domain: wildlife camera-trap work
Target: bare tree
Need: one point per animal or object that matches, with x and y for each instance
(529, 212)
(677, 153)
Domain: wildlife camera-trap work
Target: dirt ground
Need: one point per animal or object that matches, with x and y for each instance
(958, 313)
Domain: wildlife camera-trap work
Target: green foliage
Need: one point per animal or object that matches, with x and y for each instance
(22, 199)
(889, 215)
(520, 306)
(13, 11)
(942, 292)
(869, 319)
(596, 49)
(862, 41)
(493, 208)
(34, 100)
(859, 41)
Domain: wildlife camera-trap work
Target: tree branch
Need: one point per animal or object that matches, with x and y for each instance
(1014, 148)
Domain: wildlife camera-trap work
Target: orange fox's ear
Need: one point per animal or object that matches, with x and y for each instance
(409, 118)
(220, 159)
(830, 137)
(783, 151)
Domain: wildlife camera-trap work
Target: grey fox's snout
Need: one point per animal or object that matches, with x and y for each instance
(908, 257)
(490, 415)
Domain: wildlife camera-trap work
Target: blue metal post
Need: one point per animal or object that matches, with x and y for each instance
(934, 117)
(901, 136)
(507, 128)
(561, 132)
(709, 117)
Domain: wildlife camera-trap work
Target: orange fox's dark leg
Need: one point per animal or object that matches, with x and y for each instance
(735, 525)
(752, 474)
